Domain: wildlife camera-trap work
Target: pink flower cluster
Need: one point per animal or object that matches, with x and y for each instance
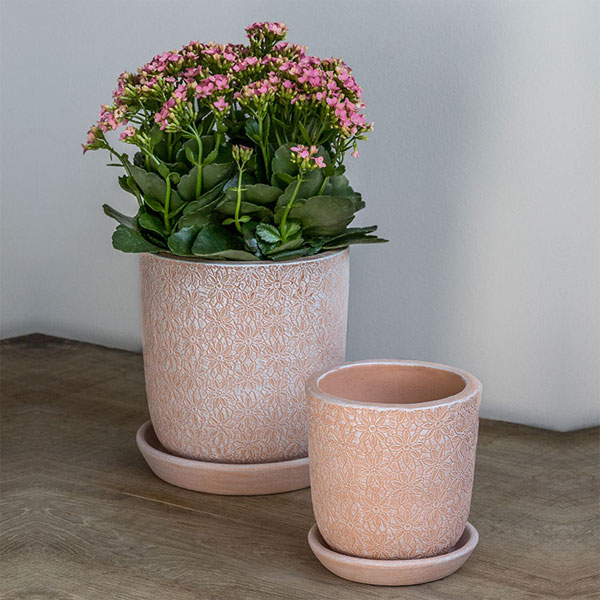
(265, 33)
(127, 134)
(162, 117)
(178, 87)
(210, 85)
(279, 29)
(305, 158)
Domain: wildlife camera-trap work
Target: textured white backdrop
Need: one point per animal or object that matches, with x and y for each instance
(482, 170)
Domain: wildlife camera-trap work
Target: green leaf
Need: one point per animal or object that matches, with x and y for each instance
(228, 204)
(283, 165)
(152, 186)
(118, 216)
(187, 185)
(229, 254)
(127, 183)
(180, 242)
(215, 174)
(290, 254)
(359, 239)
(338, 185)
(259, 193)
(224, 155)
(190, 151)
(175, 201)
(358, 202)
(232, 182)
(289, 245)
(353, 231)
(161, 150)
(197, 218)
(150, 222)
(352, 235)
(156, 134)
(252, 130)
(214, 238)
(307, 139)
(292, 228)
(263, 194)
(206, 201)
(129, 240)
(249, 235)
(208, 144)
(163, 170)
(323, 215)
(268, 233)
(211, 157)
(311, 183)
(231, 220)
(180, 168)
(282, 179)
(155, 205)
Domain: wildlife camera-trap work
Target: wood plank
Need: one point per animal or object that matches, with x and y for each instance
(83, 517)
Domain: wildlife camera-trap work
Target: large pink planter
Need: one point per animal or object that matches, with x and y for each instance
(228, 347)
(392, 454)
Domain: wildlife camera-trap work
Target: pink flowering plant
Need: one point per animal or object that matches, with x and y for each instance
(239, 151)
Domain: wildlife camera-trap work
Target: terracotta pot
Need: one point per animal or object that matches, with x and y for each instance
(392, 453)
(228, 347)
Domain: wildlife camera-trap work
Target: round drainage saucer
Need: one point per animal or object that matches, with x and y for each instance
(221, 478)
(394, 572)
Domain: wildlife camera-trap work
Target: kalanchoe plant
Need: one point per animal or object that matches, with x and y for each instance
(240, 151)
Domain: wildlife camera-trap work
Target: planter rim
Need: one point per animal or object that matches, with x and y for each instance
(247, 263)
(472, 385)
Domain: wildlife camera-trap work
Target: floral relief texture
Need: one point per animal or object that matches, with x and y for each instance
(391, 483)
(228, 347)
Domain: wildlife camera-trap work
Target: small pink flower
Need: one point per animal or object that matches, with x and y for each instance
(220, 104)
(355, 154)
(129, 132)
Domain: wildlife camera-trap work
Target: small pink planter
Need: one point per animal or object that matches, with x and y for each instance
(228, 347)
(392, 454)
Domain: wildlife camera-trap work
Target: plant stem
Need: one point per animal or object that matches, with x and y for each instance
(238, 205)
(322, 188)
(199, 165)
(263, 148)
(125, 164)
(282, 227)
(167, 202)
(169, 147)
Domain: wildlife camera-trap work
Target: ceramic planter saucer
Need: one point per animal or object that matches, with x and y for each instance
(221, 478)
(394, 572)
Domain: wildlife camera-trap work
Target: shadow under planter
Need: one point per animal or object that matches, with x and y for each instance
(392, 455)
(228, 347)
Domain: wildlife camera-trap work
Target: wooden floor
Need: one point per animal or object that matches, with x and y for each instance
(83, 517)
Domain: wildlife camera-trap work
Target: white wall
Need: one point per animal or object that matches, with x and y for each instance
(482, 171)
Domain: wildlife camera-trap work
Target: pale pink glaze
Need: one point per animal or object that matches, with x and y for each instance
(394, 572)
(392, 454)
(228, 347)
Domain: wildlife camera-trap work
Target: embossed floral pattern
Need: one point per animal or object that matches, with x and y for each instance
(228, 347)
(391, 482)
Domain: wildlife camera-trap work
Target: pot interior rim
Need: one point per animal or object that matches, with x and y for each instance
(461, 385)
